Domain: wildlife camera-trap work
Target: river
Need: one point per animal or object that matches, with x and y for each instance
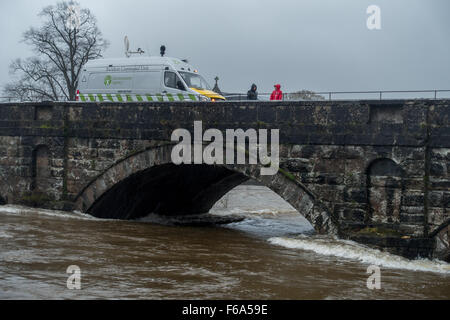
(269, 255)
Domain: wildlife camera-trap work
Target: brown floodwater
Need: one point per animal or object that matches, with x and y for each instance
(270, 255)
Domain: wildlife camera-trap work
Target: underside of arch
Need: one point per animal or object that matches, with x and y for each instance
(167, 190)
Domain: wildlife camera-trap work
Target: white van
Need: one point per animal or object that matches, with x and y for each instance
(142, 79)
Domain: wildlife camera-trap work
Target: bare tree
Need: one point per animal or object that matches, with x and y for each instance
(68, 38)
(305, 95)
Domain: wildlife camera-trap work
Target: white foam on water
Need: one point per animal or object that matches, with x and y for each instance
(351, 250)
(21, 210)
(5, 235)
(268, 213)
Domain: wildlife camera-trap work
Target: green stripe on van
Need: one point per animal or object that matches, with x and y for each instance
(136, 97)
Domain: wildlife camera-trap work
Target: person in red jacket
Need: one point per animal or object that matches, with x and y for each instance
(277, 94)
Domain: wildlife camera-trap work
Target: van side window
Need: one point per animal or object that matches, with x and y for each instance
(171, 80)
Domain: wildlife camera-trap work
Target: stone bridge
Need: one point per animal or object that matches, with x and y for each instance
(377, 172)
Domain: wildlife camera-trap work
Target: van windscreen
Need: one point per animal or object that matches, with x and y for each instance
(194, 80)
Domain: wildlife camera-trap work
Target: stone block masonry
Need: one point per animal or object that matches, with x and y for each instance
(353, 168)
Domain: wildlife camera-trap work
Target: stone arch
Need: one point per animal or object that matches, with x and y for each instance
(40, 171)
(148, 169)
(384, 191)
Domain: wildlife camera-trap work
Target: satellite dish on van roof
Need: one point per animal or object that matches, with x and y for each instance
(128, 53)
(127, 47)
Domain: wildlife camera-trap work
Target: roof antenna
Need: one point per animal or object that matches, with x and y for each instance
(146, 49)
(163, 50)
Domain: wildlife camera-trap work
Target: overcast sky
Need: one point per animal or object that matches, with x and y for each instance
(321, 45)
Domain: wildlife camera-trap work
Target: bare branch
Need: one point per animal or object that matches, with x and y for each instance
(61, 52)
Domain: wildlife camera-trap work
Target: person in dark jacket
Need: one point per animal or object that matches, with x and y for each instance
(252, 94)
(277, 94)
